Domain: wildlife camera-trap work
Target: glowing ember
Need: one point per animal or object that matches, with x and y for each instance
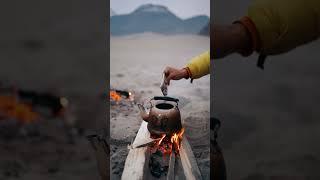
(167, 144)
(115, 96)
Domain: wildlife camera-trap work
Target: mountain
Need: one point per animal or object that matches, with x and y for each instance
(112, 13)
(155, 18)
(196, 24)
(205, 31)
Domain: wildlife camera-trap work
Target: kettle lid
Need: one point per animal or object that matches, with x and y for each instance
(165, 98)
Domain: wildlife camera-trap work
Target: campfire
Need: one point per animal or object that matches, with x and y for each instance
(168, 144)
(119, 95)
(115, 96)
(163, 153)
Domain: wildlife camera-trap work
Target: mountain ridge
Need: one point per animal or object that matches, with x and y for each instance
(157, 19)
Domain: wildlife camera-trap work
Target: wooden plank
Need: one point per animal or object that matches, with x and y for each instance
(178, 170)
(134, 166)
(143, 135)
(172, 164)
(135, 162)
(189, 163)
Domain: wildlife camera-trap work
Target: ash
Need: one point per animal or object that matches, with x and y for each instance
(158, 164)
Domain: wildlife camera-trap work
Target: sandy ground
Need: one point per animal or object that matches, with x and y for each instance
(270, 118)
(56, 46)
(137, 62)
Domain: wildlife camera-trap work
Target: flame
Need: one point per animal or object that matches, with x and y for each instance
(176, 139)
(167, 144)
(115, 96)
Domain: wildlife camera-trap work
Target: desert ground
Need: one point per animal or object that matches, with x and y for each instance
(136, 64)
(270, 118)
(56, 47)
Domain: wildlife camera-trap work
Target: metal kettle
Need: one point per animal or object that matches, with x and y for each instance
(164, 115)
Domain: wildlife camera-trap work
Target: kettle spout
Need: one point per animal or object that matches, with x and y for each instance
(143, 113)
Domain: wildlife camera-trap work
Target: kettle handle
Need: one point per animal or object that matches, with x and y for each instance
(166, 98)
(143, 113)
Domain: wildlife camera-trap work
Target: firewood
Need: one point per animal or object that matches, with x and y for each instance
(181, 166)
(172, 164)
(189, 163)
(134, 165)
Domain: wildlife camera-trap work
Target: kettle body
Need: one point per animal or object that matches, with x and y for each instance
(164, 115)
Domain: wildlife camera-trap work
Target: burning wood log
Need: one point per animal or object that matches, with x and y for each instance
(141, 163)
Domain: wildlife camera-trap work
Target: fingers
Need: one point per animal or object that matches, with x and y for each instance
(167, 75)
(173, 74)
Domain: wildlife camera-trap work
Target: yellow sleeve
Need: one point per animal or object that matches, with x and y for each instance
(285, 24)
(200, 65)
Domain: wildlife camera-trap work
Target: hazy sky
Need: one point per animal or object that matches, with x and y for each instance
(182, 8)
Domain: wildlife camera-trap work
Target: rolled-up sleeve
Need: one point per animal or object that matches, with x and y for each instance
(200, 65)
(285, 24)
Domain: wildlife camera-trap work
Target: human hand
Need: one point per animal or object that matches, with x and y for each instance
(171, 73)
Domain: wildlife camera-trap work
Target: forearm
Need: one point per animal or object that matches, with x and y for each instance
(270, 27)
(228, 39)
